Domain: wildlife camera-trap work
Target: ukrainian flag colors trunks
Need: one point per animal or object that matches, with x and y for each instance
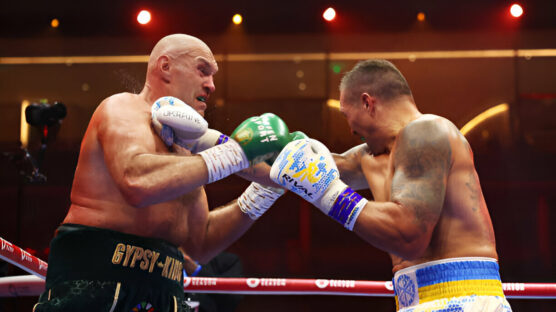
(94, 269)
(455, 284)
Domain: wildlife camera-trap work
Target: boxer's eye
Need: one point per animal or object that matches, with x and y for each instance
(204, 70)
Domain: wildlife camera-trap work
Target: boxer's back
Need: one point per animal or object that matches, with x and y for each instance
(464, 228)
(97, 199)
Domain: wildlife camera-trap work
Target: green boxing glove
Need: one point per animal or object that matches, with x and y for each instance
(262, 137)
(296, 135)
(257, 139)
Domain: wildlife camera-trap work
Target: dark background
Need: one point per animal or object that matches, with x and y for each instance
(264, 64)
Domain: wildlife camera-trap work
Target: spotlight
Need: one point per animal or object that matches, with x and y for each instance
(54, 23)
(237, 19)
(421, 17)
(144, 17)
(516, 10)
(329, 14)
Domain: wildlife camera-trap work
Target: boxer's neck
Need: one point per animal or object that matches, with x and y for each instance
(149, 94)
(399, 115)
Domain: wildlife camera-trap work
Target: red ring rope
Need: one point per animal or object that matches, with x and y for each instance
(286, 286)
(22, 259)
(33, 286)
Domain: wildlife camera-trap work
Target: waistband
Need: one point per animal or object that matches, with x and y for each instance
(89, 253)
(447, 278)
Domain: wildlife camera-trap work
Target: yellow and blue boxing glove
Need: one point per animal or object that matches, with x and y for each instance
(307, 168)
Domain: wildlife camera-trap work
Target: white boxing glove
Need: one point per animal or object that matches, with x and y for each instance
(176, 122)
(172, 118)
(257, 198)
(307, 168)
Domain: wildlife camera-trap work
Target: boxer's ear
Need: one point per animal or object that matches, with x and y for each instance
(163, 66)
(368, 102)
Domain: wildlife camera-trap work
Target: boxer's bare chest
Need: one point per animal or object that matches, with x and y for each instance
(378, 172)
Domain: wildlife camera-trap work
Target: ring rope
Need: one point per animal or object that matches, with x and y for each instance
(287, 286)
(29, 285)
(22, 259)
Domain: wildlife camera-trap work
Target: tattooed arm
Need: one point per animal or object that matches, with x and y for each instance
(403, 226)
(349, 165)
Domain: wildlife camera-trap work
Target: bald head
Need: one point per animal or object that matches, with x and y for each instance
(176, 45)
(181, 66)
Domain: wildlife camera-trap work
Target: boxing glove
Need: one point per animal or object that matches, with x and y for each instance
(173, 120)
(177, 123)
(262, 137)
(255, 140)
(307, 168)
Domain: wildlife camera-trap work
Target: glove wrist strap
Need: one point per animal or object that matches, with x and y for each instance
(347, 208)
(342, 204)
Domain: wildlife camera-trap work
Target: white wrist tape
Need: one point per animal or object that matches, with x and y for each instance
(256, 199)
(224, 159)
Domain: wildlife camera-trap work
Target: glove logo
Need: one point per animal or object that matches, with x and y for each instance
(308, 177)
(310, 172)
(244, 136)
(298, 188)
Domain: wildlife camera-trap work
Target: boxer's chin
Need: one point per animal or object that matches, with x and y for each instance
(201, 108)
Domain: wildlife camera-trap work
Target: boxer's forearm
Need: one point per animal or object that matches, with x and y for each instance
(258, 173)
(392, 227)
(148, 179)
(225, 225)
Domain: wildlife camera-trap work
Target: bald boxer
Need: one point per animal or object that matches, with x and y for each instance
(428, 210)
(133, 202)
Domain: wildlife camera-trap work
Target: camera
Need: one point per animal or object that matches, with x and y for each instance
(44, 114)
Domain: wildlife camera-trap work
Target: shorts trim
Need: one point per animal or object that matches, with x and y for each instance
(116, 295)
(447, 278)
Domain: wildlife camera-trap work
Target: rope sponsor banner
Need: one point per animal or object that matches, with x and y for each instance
(22, 259)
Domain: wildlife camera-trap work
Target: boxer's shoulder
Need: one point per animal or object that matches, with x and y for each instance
(425, 130)
(428, 124)
(122, 100)
(122, 106)
(425, 141)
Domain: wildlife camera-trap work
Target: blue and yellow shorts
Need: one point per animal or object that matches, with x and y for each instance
(456, 284)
